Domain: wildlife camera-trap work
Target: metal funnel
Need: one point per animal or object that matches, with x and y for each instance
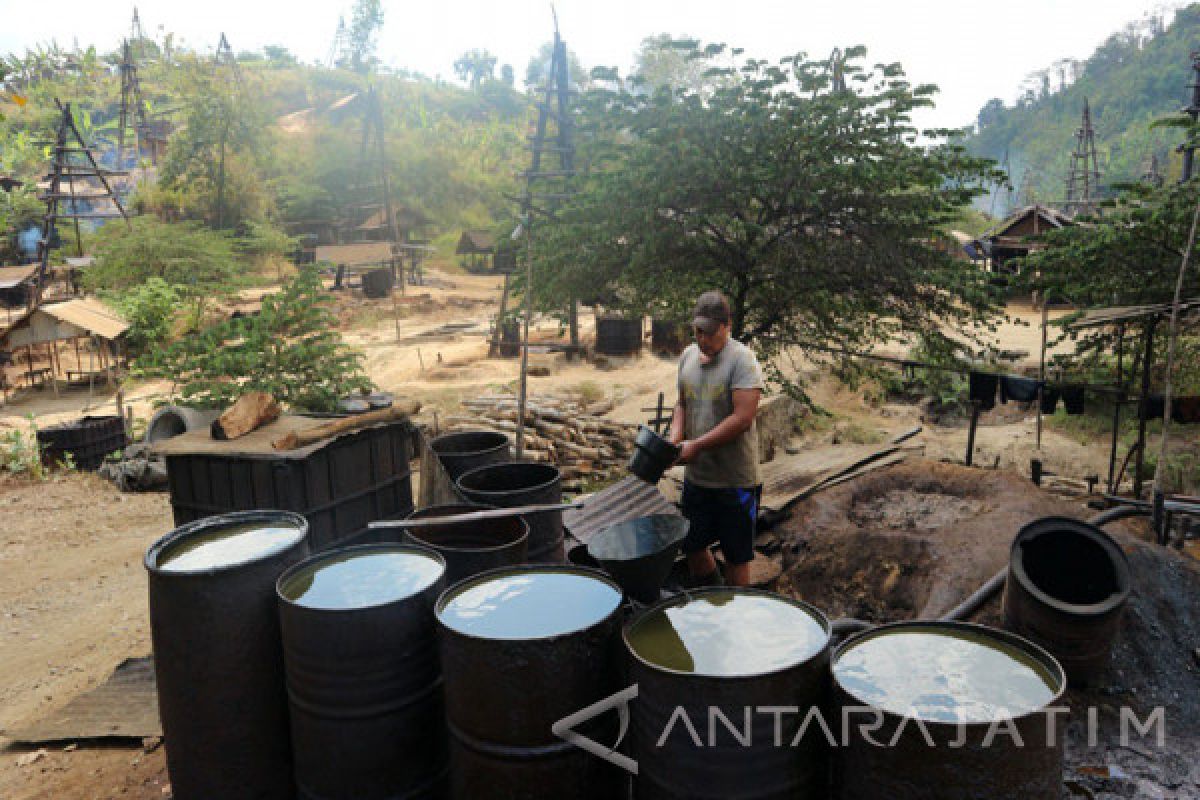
(638, 553)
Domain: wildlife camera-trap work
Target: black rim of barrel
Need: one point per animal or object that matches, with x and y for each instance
(1050, 525)
(491, 574)
(686, 597)
(440, 443)
(423, 513)
(1007, 637)
(216, 522)
(530, 465)
(338, 552)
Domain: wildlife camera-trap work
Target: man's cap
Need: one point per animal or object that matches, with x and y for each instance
(712, 310)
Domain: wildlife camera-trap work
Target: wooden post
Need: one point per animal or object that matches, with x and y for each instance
(1041, 372)
(494, 347)
(1116, 426)
(51, 350)
(1147, 359)
(971, 433)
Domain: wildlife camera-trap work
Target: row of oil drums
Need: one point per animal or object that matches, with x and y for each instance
(356, 673)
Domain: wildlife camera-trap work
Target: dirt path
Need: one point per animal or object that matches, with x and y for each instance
(72, 606)
(73, 594)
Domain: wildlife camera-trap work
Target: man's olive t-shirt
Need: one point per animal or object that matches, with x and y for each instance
(707, 393)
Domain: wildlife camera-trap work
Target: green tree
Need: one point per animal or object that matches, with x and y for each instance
(150, 309)
(475, 67)
(815, 211)
(291, 349)
(196, 262)
(669, 62)
(362, 35)
(538, 70)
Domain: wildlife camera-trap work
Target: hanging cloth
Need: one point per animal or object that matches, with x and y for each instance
(983, 390)
(1018, 389)
(1185, 410)
(1151, 407)
(1049, 399)
(1073, 399)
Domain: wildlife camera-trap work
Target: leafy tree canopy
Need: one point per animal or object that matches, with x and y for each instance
(291, 349)
(814, 211)
(195, 261)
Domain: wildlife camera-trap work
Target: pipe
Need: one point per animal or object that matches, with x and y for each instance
(1117, 513)
(846, 625)
(968, 607)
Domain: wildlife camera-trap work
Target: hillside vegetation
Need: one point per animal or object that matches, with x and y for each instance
(1136, 76)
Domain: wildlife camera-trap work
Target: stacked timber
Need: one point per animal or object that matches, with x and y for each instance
(575, 436)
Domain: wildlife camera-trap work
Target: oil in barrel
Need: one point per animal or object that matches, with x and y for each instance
(361, 579)
(943, 675)
(529, 605)
(226, 546)
(726, 634)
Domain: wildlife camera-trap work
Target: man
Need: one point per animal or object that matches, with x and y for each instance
(720, 384)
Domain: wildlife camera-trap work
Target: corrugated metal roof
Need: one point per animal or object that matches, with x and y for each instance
(627, 499)
(12, 277)
(90, 314)
(356, 254)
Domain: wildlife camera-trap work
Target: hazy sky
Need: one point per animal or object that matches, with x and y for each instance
(973, 50)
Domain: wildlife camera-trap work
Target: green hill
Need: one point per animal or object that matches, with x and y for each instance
(1135, 77)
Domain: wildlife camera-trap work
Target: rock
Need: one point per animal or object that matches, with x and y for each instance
(765, 570)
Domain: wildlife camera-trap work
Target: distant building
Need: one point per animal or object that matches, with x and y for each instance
(1016, 237)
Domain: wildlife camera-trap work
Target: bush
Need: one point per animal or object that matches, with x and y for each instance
(291, 350)
(195, 261)
(150, 310)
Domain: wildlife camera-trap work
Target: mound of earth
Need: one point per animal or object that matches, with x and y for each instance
(914, 540)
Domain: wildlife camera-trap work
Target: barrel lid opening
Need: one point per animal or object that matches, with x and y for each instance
(729, 633)
(365, 576)
(953, 673)
(530, 602)
(226, 541)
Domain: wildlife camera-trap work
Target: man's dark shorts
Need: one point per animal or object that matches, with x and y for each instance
(724, 515)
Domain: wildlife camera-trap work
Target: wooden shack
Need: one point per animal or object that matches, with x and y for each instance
(1017, 236)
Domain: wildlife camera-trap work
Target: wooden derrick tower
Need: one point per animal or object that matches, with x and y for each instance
(547, 184)
(73, 170)
(1083, 180)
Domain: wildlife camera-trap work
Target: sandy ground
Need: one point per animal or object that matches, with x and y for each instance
(73, 597)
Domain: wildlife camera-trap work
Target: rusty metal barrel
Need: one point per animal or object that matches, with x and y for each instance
(471, 547)
(364, 684)
(947, 711)
(726, 679)
(1068, 583)
(217, 654)
(464, 451)
(520, 483)
(521, 649)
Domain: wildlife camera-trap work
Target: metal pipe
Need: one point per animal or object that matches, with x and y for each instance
(973, 603)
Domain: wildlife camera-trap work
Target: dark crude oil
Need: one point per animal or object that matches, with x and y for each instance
(944, 675)
(227, 546)
(362, 579)
(529, 604)
(727, 634)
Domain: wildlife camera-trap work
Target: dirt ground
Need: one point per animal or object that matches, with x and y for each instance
(915, 540)
(73, 598)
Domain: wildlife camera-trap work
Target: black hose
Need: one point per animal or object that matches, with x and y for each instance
(968, 607)
(1119, 512)
(846, 626)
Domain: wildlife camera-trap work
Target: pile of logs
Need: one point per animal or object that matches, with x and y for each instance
(575, 436)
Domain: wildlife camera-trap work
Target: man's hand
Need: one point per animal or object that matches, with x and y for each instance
(688, 451)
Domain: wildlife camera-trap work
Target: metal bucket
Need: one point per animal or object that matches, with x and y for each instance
(917, 751)
(505, 688)
(1067, 585)
(755, 755)
(519, 483)
(218, 661)
(471, 547)
(364, 685)
(464, 451)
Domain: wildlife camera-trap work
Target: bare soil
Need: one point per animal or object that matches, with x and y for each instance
(916, 555)
(904, 542)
